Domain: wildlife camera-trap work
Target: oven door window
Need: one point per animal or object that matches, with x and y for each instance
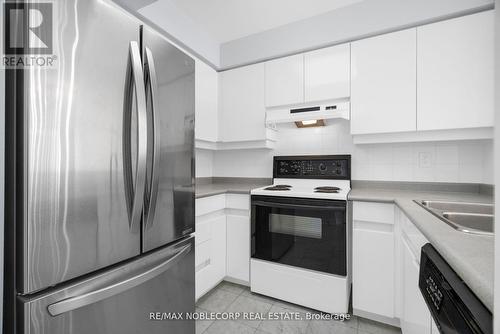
(303, 233)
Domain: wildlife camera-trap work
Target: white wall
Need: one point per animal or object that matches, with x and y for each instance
(344, 24)
(464, 161)
(183, 29)
(204, 163)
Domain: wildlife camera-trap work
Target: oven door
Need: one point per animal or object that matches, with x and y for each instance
(300, 232)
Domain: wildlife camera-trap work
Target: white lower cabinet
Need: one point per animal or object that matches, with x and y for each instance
(373, 259)
(222, 241)
(210, 253)
(238, 248)
(373, 269)
(416, 317)
(386, 257)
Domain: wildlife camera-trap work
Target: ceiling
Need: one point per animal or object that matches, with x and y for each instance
(232, 33)
(227, 20)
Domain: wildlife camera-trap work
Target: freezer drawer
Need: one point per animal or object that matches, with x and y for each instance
(120, 300)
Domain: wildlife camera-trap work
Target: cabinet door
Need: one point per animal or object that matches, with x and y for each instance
(456, 73)
(238, 247)
(285, 81)
(327, 73)
(373, 270)
(206, 97)
(416, 315)
(242, 113)
(210, 254)
(383, 83)
(218, 247)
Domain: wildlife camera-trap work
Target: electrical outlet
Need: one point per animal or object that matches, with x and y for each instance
(424, 159)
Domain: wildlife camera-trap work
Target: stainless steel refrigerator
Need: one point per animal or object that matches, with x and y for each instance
(100, 180)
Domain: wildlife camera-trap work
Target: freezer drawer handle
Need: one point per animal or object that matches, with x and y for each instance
(135, 190)
(95, 296)
(154, 151)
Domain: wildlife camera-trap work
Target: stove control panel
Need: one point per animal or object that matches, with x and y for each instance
(313, 167)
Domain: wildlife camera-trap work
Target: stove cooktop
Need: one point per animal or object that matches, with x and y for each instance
(337, 189)
(324, 177)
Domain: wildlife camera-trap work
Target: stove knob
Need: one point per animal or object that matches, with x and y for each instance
(338, 171)
(322, 167)
(338, 164)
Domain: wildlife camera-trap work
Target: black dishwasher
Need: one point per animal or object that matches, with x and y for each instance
(453, 305)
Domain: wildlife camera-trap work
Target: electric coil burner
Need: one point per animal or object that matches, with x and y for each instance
(300, 234)
(279, 187)
(327, 189)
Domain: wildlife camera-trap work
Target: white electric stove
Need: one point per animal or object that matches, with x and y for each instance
(301, 233)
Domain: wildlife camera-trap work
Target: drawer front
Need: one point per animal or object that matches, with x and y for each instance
(202, 255)
(210, 204)
(238, 201)
(203, 231)
(373, 212)
(413, 236)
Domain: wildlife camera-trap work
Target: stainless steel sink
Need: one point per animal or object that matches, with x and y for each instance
(476, 218)
(459, 207)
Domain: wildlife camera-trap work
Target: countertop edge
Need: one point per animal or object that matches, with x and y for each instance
(221, 192)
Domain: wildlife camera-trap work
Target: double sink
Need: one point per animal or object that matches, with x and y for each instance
(475, 218)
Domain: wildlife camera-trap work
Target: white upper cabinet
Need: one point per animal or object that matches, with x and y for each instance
(383, 83)
(242, 110)
(313, 76)
(326, 73)
(285, 81)
(455, 73)
(206, 92)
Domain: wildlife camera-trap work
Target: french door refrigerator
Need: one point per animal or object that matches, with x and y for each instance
(100, 180)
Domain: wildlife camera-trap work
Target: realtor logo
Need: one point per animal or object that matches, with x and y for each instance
(28, 34)
(28, 28)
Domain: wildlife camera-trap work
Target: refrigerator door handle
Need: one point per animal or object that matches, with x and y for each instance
(152, 82)
(73, 303)
(135, 190)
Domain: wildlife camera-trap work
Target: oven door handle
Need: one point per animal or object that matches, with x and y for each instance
(298, 206)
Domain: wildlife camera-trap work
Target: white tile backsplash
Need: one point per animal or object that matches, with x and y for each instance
(402, 172)
(454, 161)
(446, 153)
(488, 164)
(204, 163)
(402, 154)
(447, 172)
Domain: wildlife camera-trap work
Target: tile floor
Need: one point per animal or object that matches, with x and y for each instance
(229, 297)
